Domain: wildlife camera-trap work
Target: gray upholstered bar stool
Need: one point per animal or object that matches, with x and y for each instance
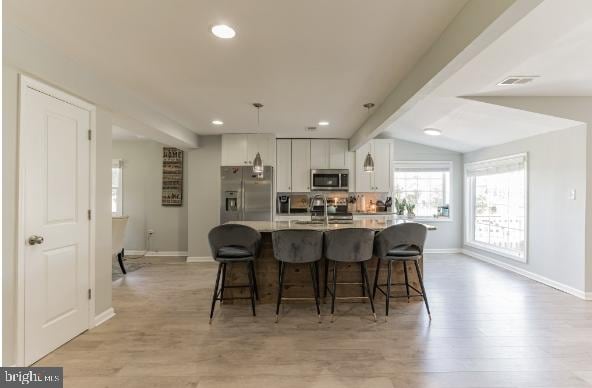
(234, 243)
(298, 246)
(400, 243)
(349, 245)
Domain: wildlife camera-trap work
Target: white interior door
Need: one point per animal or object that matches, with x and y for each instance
(55, 171)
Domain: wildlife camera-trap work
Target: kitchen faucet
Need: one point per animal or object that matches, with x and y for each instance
(311, 207)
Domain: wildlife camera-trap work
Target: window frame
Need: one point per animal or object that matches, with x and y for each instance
(118, 163)
(424, 164)
(469, 208)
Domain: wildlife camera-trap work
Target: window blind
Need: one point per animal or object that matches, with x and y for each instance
(496, 166)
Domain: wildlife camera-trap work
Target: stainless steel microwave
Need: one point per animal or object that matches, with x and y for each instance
(329, 180)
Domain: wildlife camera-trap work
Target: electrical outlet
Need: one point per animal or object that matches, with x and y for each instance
(572, 194)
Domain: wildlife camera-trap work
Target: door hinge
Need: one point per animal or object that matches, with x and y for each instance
(89, 134)
(89, 294)
(89, 214)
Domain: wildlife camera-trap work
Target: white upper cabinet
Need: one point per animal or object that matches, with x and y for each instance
(363, 178)
(380, 179)
(338, 154)
(283, 168)
(382, 165)
(351, 166)
(319, 153)
(234, 150)
(300, 165)
(264, 144)
(240, 149)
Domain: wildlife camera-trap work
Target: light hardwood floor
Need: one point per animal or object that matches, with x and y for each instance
(490, 328)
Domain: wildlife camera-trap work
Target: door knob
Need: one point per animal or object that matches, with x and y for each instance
(34, 240)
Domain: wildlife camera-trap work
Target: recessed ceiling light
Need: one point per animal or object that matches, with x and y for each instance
(323, 123)
(432, 132)
(217, 122)
(223, 31)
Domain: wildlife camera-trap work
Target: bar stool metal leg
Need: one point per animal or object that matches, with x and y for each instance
(425, 297)
(362, 276)
(255, 281)
(334, 291)
(406, 279)
(326, 274)
(314, 278)
(215, 296)
(367, 286)
(388, 288)
(376, 278)
(251, 287)
(280, 288)
(223, 283)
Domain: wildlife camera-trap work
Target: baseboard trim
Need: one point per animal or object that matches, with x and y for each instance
(533, 276)
(167, 253)
(156, 253)
(199, 259)
(129, 252)
(443, 250)
(104, 316)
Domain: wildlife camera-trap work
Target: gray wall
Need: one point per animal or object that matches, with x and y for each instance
(142, 187)
(9, 207)
(449, 232)
(203, 165)
(556, 224)
(9, 214)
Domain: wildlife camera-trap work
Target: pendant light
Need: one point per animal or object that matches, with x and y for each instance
(257, 162)
(369, 161)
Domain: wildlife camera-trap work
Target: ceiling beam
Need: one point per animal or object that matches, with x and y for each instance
(30, 55)
(475, 27)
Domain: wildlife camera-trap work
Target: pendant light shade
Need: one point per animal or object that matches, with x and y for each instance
(258, 164)
(369, 163)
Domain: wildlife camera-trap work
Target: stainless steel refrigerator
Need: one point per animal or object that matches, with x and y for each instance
(246, 196)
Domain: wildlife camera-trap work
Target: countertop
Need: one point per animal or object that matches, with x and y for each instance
(270, 226)
(353, 213)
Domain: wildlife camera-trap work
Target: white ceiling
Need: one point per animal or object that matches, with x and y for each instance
(553, 42)
(306, 60)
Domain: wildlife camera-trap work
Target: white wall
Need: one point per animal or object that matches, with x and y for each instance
(9, 208)
(142, 188)
(449, 233)
(557, 163)
(203, 165)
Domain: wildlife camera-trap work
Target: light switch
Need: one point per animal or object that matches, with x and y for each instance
(572, 194)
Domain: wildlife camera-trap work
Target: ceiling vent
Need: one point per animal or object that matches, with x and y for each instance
(310, 129)
(518, 80)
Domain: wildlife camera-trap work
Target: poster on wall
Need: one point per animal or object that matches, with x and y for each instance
(172, 176)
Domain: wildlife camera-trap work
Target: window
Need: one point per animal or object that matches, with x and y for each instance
(116, 187)
(426, 184)
(496, 205)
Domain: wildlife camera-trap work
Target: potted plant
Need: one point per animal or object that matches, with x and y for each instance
(410, 206)
(400, 206)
